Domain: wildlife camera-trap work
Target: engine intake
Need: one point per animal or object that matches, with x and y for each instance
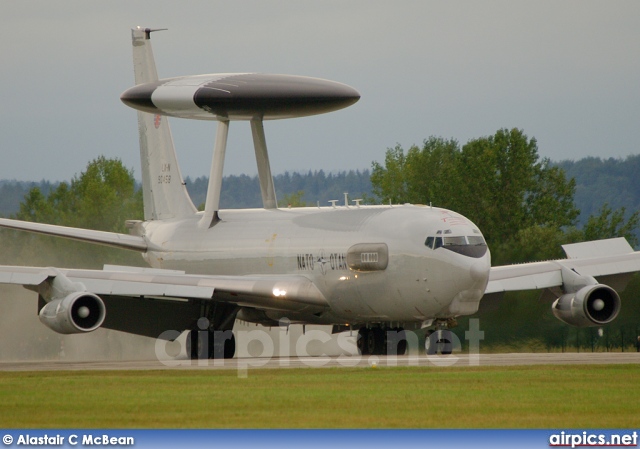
(593, 305)
(77, 313)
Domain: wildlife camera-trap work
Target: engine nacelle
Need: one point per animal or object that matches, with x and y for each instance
(593, 305)
(77, 313)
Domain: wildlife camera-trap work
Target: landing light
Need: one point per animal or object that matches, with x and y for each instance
(277, 292)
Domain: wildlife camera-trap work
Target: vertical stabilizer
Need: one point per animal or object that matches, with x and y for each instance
(164, 191)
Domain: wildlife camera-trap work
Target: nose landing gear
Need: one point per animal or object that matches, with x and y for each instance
(440, 340)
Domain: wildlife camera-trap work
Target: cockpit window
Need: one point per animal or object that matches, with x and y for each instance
(452, 241)
(475, 240)
(467, 245)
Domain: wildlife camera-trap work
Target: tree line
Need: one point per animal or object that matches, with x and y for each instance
(311, 188)
(612, 181)
(525, 205)
(102, 197)
(598, 182)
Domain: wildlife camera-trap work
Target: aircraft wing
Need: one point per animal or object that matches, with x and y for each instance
(148, 301)
(610, 259)
(125, 241)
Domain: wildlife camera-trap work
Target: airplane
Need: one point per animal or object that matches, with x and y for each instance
(378, 269)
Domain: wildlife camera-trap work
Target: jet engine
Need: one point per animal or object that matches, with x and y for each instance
(77, 313)
(593, 305)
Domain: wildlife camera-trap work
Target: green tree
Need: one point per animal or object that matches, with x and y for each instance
(499, 182)
(506, 187)
(35, 207)
(422, 176)
(609, 223)
(390, 181)
(102, 197)
(293, 200)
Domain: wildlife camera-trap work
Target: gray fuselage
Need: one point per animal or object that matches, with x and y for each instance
(371, 263)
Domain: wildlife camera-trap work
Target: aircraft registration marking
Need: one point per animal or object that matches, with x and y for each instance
(165, 176)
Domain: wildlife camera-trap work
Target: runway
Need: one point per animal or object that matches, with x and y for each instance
(245, 364)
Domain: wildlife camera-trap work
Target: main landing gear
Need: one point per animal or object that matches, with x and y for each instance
(382, 341)
(210, 344)
(212, 337)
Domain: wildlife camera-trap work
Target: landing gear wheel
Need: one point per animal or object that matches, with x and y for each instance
(401, 346)
(379, 341)
(445, 342)
(370, 342)
(430, 342)
(382, 341)
(363, 340)
(440, 341)
(196, 347)
(218, 345)
(230, 347)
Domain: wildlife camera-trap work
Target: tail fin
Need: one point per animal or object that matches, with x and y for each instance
(164, 191)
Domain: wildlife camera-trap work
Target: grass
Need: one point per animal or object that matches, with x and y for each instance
(409, 397)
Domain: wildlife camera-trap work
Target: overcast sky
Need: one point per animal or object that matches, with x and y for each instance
(566, 72)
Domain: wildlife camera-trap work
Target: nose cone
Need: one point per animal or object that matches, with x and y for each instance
(479, 271)
(472, 282)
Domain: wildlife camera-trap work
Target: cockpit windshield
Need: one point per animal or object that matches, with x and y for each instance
(467, 245)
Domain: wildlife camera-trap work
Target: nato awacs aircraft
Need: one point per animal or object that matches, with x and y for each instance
(377, 269)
